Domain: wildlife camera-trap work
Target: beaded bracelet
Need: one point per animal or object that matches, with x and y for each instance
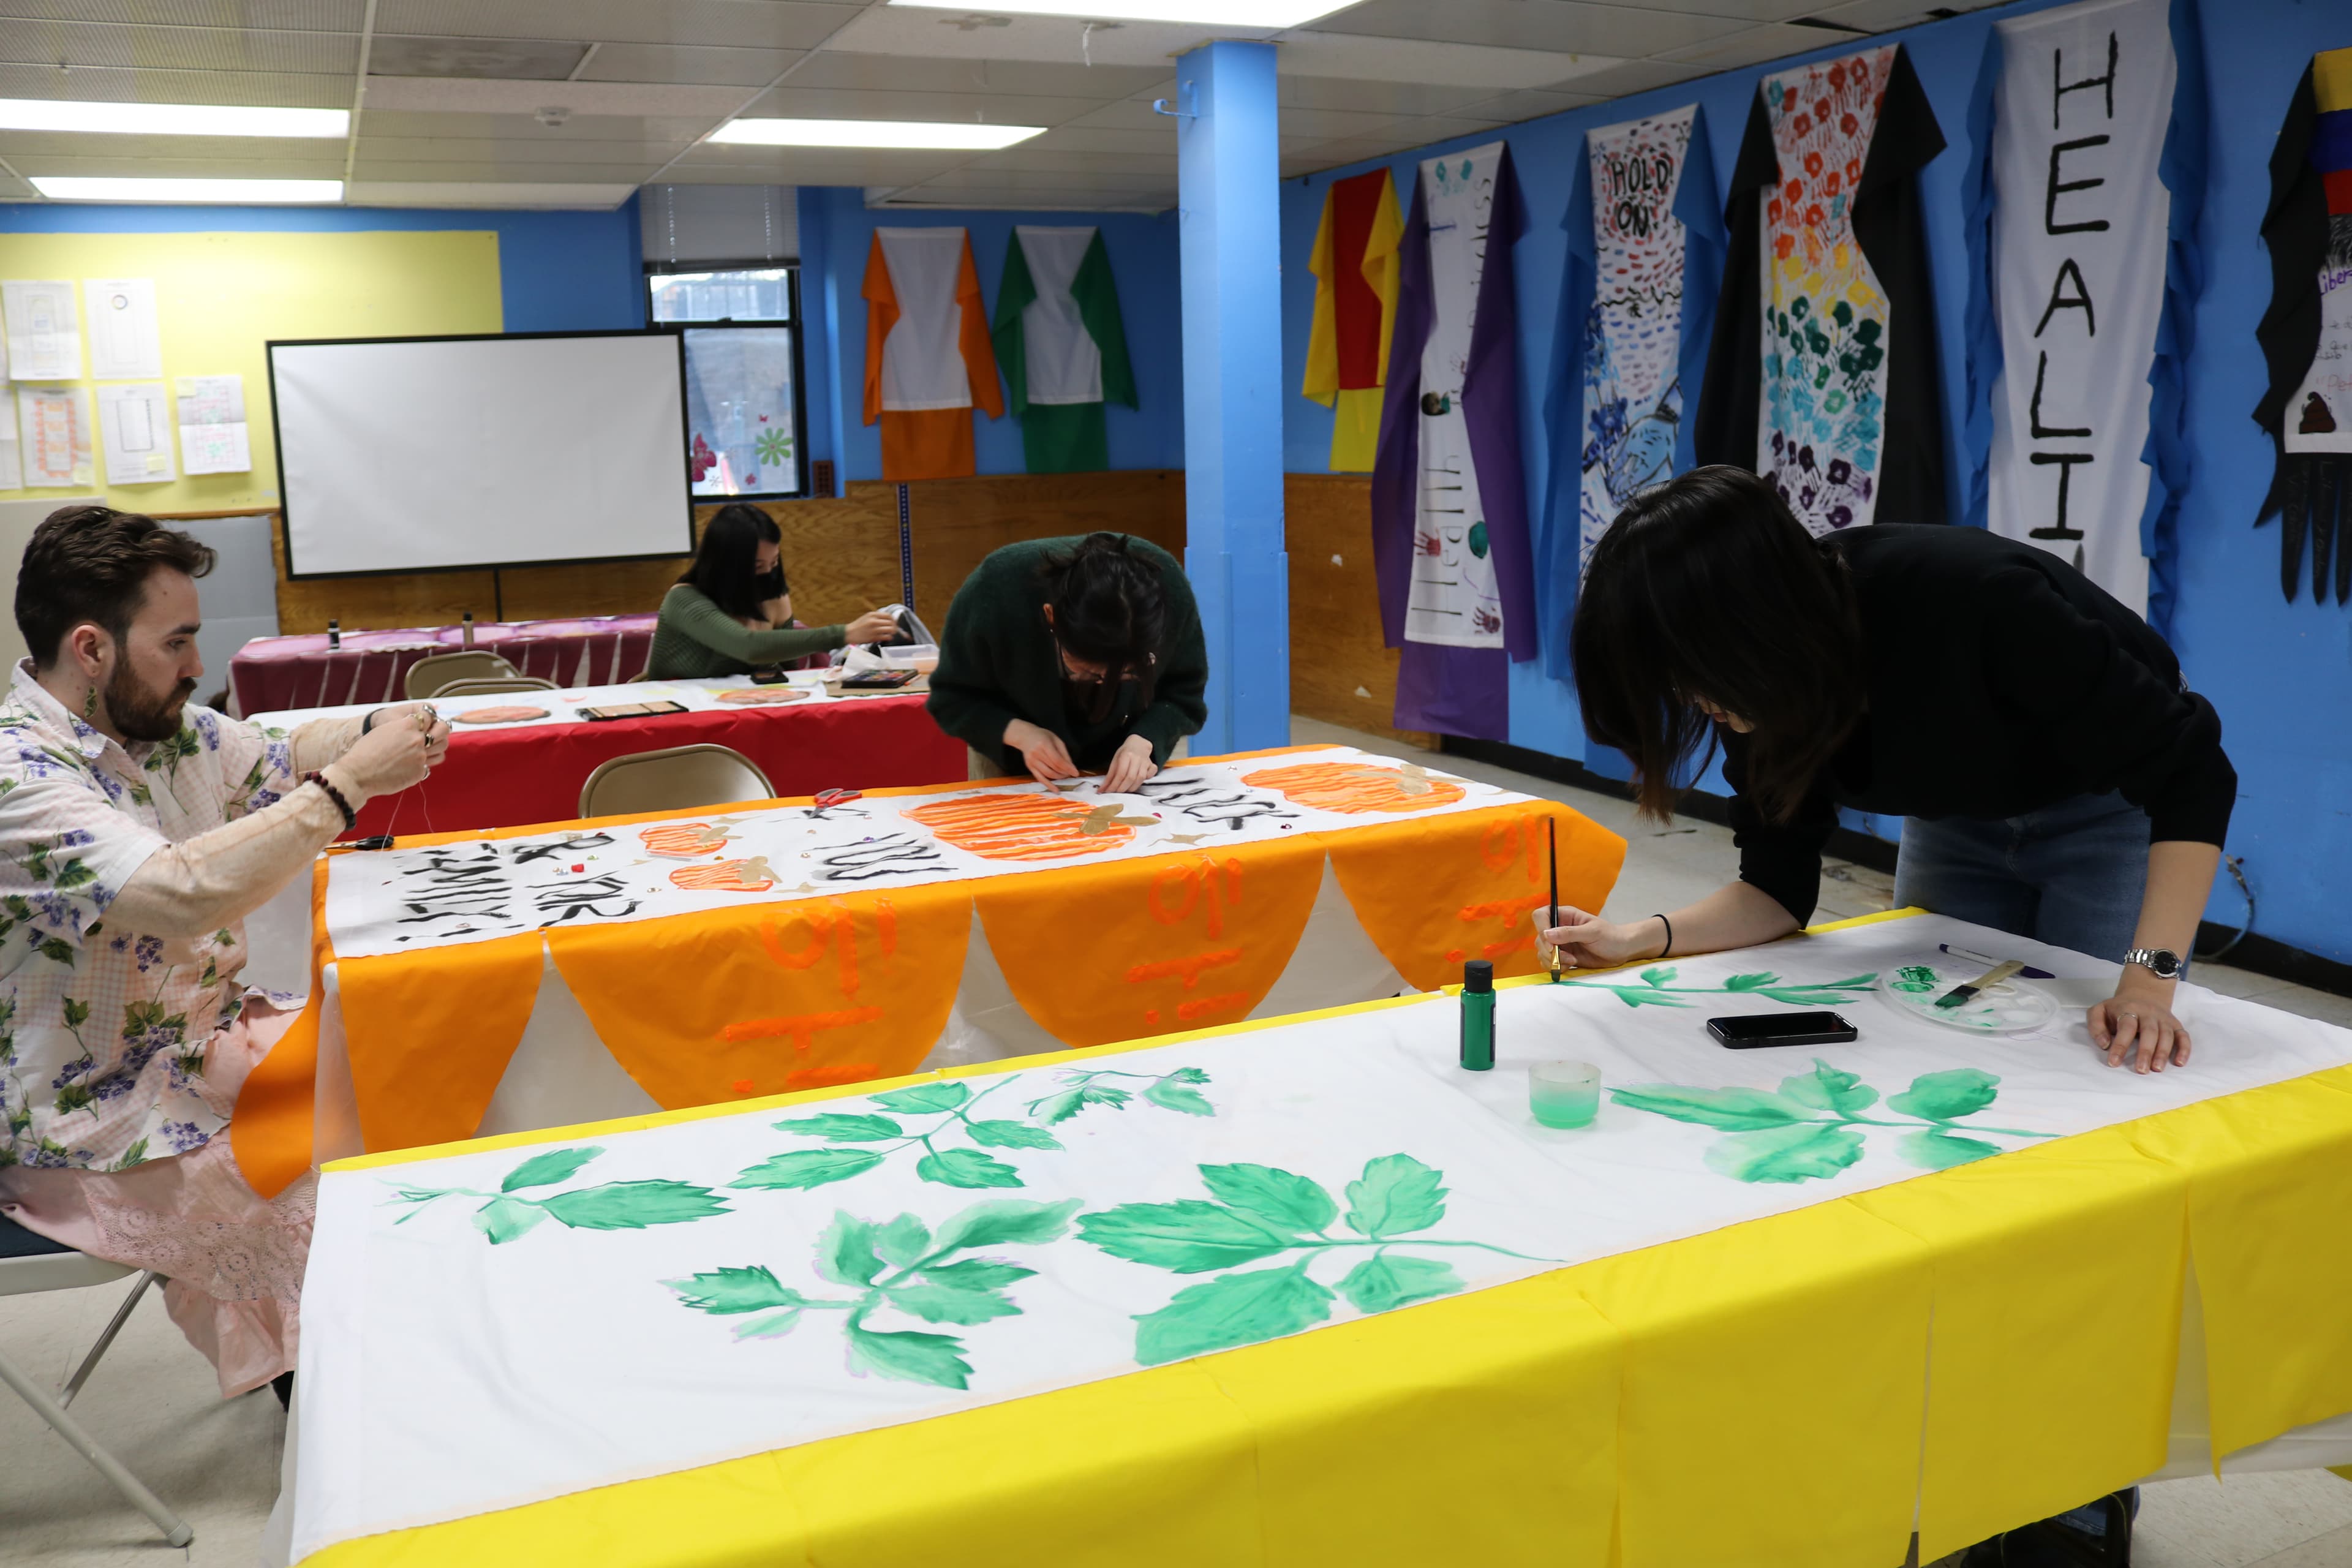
(350, 818)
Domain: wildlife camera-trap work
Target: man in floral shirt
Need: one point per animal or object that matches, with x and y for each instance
(136, 832)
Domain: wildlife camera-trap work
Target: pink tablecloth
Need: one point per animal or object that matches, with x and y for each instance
(269, 674)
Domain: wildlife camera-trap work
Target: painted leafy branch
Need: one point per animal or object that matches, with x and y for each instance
(1807, 1129)
(902, 1266)
(858, 1142)
(1658, 989)
(1263, 1213)
(511, 1212)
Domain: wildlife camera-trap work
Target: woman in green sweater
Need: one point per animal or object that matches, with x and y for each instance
(1070, 655)
(732, 614)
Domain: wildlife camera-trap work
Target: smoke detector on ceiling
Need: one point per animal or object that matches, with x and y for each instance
(553, 115)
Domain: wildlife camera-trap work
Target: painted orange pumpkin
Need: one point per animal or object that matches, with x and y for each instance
(497, 715)
(684, 840)
(1027, 826)
(760, 696)
(1357, 789)
(746, 876)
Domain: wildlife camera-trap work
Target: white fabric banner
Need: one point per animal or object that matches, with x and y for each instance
(922, 359)
(2080, 241)
(1454, 598)
(658, 1299)
(1060, 356)
(399, 900)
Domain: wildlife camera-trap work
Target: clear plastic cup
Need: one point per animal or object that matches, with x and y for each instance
(1564, 1094)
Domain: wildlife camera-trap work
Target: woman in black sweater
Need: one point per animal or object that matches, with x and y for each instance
(2057, 778)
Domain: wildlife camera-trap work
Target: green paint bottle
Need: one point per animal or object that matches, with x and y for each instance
(1477, 1016)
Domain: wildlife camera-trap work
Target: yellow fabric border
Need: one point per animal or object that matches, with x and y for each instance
(2331, 80)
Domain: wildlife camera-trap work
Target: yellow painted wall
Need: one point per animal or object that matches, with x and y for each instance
(219, 297)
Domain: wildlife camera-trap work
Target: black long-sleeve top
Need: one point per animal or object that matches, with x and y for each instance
(2001, 681)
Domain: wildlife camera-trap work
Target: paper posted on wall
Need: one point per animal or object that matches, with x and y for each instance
(213, 437)
(135, 426)
(44, 332)
(124, 342)
(52, 427)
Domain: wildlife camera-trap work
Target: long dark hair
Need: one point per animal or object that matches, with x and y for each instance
(1109, 608)
(725, 568)
(1708, 588)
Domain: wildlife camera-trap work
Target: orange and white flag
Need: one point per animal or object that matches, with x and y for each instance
(928, 358)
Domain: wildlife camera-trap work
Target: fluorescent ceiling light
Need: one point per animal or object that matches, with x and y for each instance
(171, 118)
(79, 188)
(1256, 13)
(874, 133)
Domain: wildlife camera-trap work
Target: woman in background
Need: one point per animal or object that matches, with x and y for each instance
(732, 613)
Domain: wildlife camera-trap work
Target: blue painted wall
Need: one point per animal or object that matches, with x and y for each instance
(558, 271)
(836, 230)
(2280, 675)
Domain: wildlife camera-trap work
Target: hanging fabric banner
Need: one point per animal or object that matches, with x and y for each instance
(928, 360)
(1449, 504)
(1060, 345)
(2307, 341)
(1822, 374)
(1355, 268)
(2079, 222)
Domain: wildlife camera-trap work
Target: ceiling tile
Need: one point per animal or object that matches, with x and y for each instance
(1027, 201)
(1761, 44)
(1374, 97)
(1080, 164)
(180, 49)
(793, 101)
(108, 85)
(161, 166)
(456, 95)
(812, 165)
(908, 73)
(753, 23)
(1030, 180)
(1529, 103)
(1067, 41)
(385, 124)
(1369, 58)
(501, 59)
(297, 15)
(674, 62)
(483, 194)
(1136, 114)
(1885, 15)
(1749, 11)
(520, 170)
(476, 149)
(1566, 26)
(1637, 76)
(1158, 137)
(37, 144)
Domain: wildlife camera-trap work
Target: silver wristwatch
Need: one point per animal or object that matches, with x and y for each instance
(2162, 963)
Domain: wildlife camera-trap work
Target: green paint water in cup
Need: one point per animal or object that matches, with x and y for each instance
(1564, 1094)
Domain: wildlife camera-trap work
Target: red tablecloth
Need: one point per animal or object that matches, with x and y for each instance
(271, 674)
(504, 778)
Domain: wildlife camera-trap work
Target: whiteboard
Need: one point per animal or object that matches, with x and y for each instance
(419, 454)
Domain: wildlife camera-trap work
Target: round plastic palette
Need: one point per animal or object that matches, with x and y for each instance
(2012, 1008)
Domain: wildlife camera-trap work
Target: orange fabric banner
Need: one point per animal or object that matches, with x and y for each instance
(1098, 954)
(279, 1106)
(441, 1027)
(770, 997)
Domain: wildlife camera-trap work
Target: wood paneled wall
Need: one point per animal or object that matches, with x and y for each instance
(1340, 670)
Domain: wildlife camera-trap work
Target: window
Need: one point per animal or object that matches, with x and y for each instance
(741, 328)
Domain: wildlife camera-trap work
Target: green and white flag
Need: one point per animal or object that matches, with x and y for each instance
(1059, 343)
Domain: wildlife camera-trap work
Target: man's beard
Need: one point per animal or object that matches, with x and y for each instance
(141, 715)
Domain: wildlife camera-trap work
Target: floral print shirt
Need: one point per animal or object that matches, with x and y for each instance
(103, 1032)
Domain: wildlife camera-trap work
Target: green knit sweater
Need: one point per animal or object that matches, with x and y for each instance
(997, 664)
(695, 639)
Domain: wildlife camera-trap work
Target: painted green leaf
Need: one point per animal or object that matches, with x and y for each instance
(1940, 1151)
(1002, 1221)
(966, 1168)
(1170, 1095)
(1940, 1096)
(1634, 996)
(1059, 1106)
(1279, 1198)
(976, 1274)
(807, 1168)
(845, 1250)
(1786, 1153)
(903, 1240)
(1189, 1074)
(910, 1357)
(1804, 996)
(546, 1169)
(1382, 1281)
(1663, 975)
(949, 1303)
(1396, 1195)
(774, 1326)
(1235, 1309)
(1749, 982)
(1188, 1238)
(835, 1128)
(922, 1097)
(503, 1219)
(1011, 1135)
(632, 1205)
(1731, 1109)
(1827, 1088)
(753, 1289)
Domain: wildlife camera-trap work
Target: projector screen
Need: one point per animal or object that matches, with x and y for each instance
(422, 454)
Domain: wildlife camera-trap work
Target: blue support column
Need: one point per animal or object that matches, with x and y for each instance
(1228, 177)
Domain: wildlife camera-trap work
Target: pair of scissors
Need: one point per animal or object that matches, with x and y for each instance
(826, 798)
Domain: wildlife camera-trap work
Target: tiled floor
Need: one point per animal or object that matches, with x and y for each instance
(154, 1404)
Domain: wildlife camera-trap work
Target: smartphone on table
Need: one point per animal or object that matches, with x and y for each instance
(1749, 1031)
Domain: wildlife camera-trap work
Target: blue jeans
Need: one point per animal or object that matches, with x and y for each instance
(2071, 875)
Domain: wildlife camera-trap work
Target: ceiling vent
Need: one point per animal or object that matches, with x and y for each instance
(504, 59)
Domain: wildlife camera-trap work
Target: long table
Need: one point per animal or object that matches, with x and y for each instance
(535, 977)
(300, 670)
(1307, 1292)
(510, 769)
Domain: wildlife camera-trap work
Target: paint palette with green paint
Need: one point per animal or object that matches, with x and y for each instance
(2012, 1008)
